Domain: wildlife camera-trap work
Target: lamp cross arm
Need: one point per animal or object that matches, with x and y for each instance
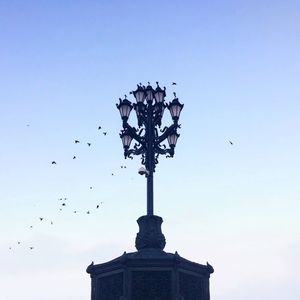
(133, 133)
(166, 132)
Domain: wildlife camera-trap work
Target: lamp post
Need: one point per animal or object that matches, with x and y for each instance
(149, 273)
(149, 137)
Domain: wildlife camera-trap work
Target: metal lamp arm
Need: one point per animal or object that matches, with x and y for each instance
(164, 151)
(160, 150)
(167, 132)
(135, 151)
(132, 132)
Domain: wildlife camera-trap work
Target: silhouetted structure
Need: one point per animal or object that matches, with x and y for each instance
(149, 273)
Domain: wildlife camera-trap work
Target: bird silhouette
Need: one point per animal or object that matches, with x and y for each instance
(91, 187)
(75, 211)
(51, 223)
(65, 198)
(97, 206)
(19, 243)
(76, 142)
(88, 212)
(174, 83)
(31, 248)
(60, 199)
(99, 127)
(112, 174)
(63, 204)
(231, 143)
(105, 133)
(41, 219)
(74, 157)
(53, 163)
(31, 226)
(89, 144)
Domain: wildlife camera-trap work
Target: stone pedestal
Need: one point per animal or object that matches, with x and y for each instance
(150, 235)
(150, 273)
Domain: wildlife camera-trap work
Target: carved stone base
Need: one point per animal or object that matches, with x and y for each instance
(150, 234)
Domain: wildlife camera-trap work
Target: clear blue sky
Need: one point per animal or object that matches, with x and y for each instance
(63, 66)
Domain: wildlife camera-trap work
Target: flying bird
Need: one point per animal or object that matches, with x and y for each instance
(64, 204)
(41, 219)
(91, 187)
(231, 143)
(75, 211)
(174, 83)
(51, 222)
(31, 226)
(76, 142)
(19, 243)
(99, 127)
(98, 206)
(74, 157)
(31, 248)
(88, 212)
(112, 174)
(60, 199)
(105, 133)
(89, 144)
(53, 163)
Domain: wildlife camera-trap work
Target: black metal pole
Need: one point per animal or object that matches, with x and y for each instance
(150, 159)
(150, 194)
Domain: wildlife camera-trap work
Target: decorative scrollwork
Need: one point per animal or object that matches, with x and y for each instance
(164, 129)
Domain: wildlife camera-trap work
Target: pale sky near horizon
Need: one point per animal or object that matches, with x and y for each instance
(63, 66)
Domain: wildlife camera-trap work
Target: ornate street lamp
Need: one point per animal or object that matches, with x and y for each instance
(149, 273)
(149, 137)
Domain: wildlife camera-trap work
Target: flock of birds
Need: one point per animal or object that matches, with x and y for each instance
(51, 222)
(64, 201)
(77, 142)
